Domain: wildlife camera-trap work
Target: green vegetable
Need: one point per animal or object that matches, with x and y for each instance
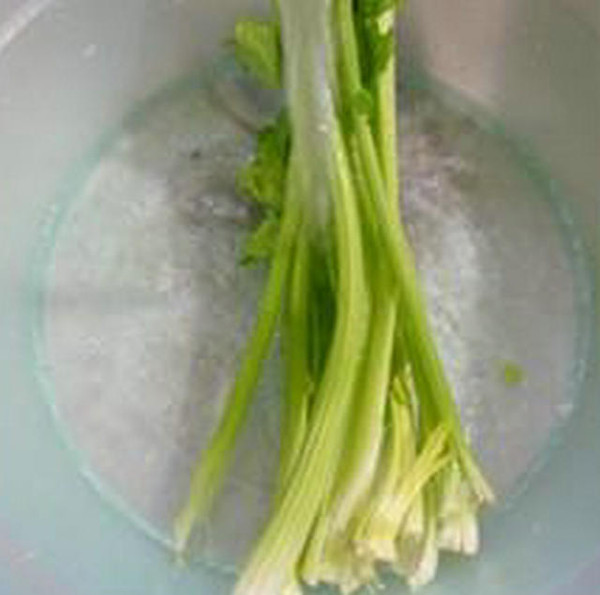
(374, 464)
(261, 244)
(512, 374)
(263, 180)
(257, 48)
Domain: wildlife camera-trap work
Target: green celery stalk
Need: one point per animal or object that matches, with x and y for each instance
(397, 459)
(273, 564)
(208, 476)
(361, 140)
(374, 464)
(296, 352)
(364, 437)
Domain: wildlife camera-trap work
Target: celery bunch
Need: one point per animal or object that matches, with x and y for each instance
(374, 466)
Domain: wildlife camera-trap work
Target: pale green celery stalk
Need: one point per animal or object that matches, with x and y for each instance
(398, 457)
(329, 552)
(366, 432)
(422, 569)
(432, 385)
(414, 530)
(325, 177)
(311, 567)
(413, 533)
(430, 379)
(419, 339)
(417, 541)
(330, 549)
(272, 568)
(208, 476)
(430, 461)
(386, 134)
(322, 314)
(380, 172)
(296, 353)
(378, 535)
(457, 516)
(362, 143)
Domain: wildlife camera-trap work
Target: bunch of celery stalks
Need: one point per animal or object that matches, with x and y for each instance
(375, 470)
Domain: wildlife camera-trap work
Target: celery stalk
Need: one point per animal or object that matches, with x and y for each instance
(208, 476)
(296, 352)
(272, 566)
(374, 464)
